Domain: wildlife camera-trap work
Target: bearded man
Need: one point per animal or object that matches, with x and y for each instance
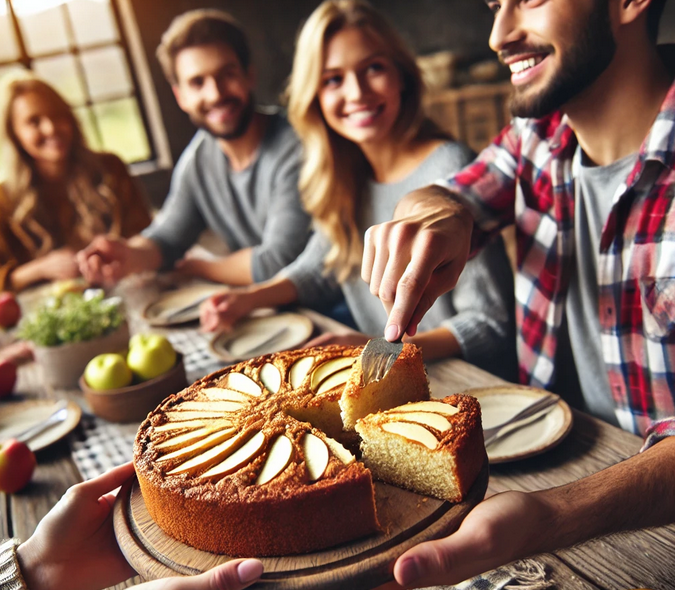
(586, 171)
(238, 176)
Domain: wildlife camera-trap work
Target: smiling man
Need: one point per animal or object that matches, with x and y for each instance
(586, 172)
(238, 176)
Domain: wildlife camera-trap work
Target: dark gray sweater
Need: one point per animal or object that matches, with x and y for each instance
(258, 207)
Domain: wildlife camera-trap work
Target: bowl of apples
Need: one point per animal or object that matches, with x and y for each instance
(125, 388)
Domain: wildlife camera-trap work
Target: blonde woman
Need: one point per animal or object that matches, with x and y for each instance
(355, 102)
(56, 193)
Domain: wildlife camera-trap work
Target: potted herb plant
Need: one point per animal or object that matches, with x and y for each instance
(68, 331)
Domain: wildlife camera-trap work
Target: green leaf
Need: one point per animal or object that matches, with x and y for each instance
(72, 318)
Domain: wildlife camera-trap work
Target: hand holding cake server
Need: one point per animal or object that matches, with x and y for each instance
(585, 171)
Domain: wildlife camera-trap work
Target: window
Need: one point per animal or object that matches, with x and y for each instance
(76, 46)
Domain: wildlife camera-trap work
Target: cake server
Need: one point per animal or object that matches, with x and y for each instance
(377, 358)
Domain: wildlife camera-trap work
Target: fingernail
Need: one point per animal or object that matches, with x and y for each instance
(249, 570)
(391, 333)
(408, 572)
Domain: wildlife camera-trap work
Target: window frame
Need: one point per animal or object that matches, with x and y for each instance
(142, 89)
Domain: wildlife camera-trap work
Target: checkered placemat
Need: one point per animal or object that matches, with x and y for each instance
(98, 445)
(197, 356)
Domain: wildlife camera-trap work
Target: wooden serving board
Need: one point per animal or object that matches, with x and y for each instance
(406, 518)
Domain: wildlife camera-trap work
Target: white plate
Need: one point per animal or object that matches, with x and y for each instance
(156, 314)
(250, 335)
(500, 403)
(15, 417)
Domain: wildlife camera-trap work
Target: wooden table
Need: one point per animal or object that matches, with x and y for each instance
(640, 559)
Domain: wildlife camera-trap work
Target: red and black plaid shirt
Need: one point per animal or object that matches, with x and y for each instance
(526, 176)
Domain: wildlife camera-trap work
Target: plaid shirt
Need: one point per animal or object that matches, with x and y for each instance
(527, 176)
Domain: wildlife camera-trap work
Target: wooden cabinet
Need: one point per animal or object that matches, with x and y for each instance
(472, 114)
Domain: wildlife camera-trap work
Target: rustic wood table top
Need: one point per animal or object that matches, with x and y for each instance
(637, 559)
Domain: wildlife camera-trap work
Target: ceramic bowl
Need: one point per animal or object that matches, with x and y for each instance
(62, 365)
(133, 403)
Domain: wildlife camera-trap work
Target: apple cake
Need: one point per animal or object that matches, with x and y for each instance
(245, 461)
(432, 447)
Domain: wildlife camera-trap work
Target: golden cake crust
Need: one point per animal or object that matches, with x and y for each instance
(211, 513)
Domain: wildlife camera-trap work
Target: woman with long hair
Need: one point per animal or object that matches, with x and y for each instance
(56, 193)
(355, 100)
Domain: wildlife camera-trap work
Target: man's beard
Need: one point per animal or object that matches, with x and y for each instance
(238, 129)
(589, 56)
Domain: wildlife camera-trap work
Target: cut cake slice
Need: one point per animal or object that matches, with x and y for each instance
(406, 381)
(432, 447)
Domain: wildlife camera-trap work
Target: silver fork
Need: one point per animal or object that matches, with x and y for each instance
(266, 343)
(58, 415)
(544, 403)
(190, 307)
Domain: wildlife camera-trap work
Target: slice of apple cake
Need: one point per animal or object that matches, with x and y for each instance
(433, 447)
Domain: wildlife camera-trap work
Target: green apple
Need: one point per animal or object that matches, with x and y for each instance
(150, 355)
(107, 371)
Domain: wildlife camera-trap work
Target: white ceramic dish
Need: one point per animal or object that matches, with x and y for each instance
(159, 312)
(15, 417)
(500, 403)
(251, 337)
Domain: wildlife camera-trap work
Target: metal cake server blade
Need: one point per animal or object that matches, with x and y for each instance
(378, 357)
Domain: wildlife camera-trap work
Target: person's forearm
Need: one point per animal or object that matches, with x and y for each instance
(273, 293)
(234, 269)
(437, 343)
(636, 493)
(432, 199)
(25, 275)
(146, 255)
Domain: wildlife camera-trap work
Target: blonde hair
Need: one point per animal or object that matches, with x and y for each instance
(86, 183)
(334, 170)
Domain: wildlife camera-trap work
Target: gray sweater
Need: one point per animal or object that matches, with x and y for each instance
(258, 207)
(479, 311)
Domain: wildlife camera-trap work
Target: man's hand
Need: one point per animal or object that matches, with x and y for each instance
(105, 261)
(417, 257)
(497, 531)
(222, 311)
